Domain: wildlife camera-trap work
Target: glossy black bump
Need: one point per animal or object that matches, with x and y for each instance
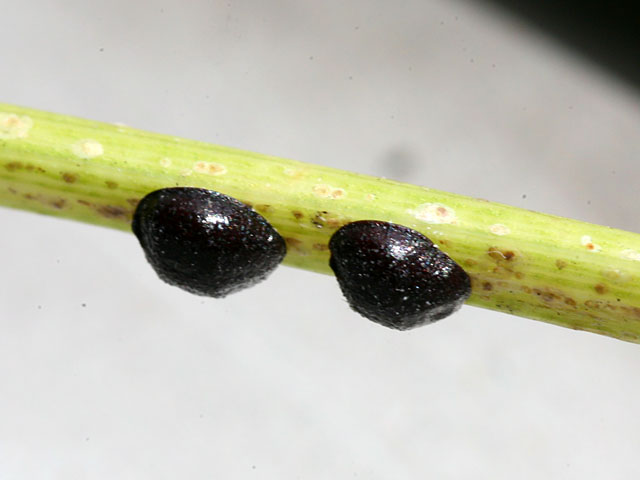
(206, 242)
(395, 276)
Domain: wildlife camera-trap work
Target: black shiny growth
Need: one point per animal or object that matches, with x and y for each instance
(395, 276)
(205, 242)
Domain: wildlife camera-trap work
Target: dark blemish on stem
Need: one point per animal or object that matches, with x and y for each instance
(320, 247)
(111, 185)
(487, 286)
(631, 310)
(295, 244)
(17, 165)
(297, 214)
(547, 295)
(318, 219)
(69, 177)
(263, 208)
(600, 288)
(470, 262)
(570, 301)
(595, 304)
(498, 255)
(335, 223)
(59, 203)
(323, 218)
(110, 211)
(560, 264)
(395, 276)
(13, 166)
(133, 202)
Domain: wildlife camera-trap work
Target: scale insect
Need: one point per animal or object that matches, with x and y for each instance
(205, 242)
(395, 276)
(208, 243)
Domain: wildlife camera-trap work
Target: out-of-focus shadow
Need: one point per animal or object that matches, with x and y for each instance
(607, 33)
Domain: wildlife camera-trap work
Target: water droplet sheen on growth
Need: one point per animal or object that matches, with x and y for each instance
(396, 276)
(205, 242)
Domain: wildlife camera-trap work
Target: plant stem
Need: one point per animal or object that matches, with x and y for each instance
(548, 268)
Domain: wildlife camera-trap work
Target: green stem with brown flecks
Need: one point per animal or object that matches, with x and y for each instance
(544, 267)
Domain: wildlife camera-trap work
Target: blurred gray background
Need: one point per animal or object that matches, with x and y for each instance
(105, 372)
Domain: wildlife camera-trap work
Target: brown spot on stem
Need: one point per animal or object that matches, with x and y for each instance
(595, 304)
(337, 193)
(13, 166)
(335, 223)
(487, 286)
(263, 208)
(59, 203)
(295, 244)
(498, 254)
(587, 242)
(111, 184)
(133, 201)
(547, 295)
(560, 264)
(318, 219)
(110, 211)
(470, 262)
(297, 214)
(320, 247)
(69, 177)
(631, 310)
(600, 288)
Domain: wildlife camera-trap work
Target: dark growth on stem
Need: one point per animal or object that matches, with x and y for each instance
(395, 276)
(205, 242)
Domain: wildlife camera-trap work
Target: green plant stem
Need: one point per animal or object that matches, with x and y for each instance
(544, 267)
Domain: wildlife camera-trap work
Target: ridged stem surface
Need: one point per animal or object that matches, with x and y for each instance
(544, 267)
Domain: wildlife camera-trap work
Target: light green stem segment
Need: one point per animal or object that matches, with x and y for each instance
(544, 267)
